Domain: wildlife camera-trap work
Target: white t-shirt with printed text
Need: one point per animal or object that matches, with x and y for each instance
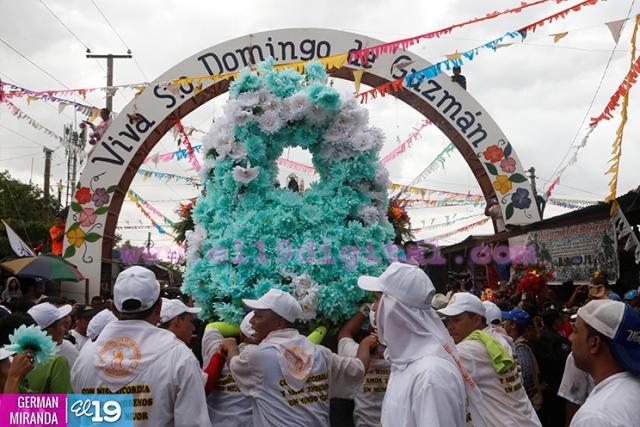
(368, 399)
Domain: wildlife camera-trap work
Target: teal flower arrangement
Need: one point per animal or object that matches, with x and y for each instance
(35, 339)
(250, 237)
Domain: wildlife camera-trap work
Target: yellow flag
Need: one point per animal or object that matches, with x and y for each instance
(357, 77)
(454, 56)
(558, 36)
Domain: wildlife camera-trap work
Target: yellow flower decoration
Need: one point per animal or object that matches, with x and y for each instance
(76, 237)
(502, 184)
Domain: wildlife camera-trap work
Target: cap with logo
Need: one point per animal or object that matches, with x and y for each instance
(517, 316)
(463, 302)
(404, 282)
(620, 324)
(84, 312)
(493, 314)
(172, 308)
(139, 287)
(280, 302)
(45, 314)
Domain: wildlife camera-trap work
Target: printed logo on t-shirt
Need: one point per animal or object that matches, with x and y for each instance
(299, 362)
(119, 357)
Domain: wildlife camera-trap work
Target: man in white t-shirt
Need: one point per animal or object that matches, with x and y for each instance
(133, 356)
(426, 386)
(368, 399)
(227, 405)
(489, 363)
(177, 318)
(289, 378)
(606, 344)
(78, 335)
(575, 387)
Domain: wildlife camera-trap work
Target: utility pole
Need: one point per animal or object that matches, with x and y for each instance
(46, 208)
(77, 140)
(110, 57)
(59, 196)
(532, 172)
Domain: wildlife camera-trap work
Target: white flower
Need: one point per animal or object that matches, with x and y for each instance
(237, 152)
(369, 214)
(309, 306)
(270, 122)
(272, 103)
(346, 119)
(362, 117)
(295, 105)
(334, 134)
(245, 175)
(207, 166)
(382, 177)
(317, 115)
(349, 103)
(249, 99)
(362, 141)
(242, 117)
(302, 284)
(194, 241)
(379, 137)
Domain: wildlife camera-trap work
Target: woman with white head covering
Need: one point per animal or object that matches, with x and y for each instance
(427, 386)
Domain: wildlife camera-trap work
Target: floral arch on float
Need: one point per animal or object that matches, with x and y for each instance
(114, 162)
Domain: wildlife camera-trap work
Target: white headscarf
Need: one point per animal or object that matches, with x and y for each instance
(412, 333)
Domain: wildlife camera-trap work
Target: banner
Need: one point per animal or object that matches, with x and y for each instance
(19, 247)
(576, 252)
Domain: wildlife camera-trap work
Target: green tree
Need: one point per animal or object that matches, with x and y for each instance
(21, 207)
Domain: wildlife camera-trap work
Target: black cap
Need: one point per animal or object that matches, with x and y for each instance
(84, 311)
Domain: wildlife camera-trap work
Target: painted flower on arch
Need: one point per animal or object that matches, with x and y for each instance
(508, 165)
(493, 153)
(76, 237)
(100, 197)
(87, 217)
(521, 198)
(83, 195)
(502, 184)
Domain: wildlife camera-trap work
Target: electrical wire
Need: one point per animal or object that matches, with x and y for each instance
(123, 42)
(593, 100)
(38, 67)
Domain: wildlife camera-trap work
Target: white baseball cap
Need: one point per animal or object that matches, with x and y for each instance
(620, 323)
(404, 282)
(172, 308)
(138, 284)
(245, 327)
(98, 322)
(45, 314)
(493, 314)
(461, 302)
(280, 302)
(4, 353)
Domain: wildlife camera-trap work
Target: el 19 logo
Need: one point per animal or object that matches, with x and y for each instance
(114, 410)
(94, 409)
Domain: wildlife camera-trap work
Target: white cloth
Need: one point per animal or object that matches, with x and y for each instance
(135, 357)
(504, 398)
(370, 394)
(576, 384)
(292, 350)
(69, 352)
(612, 403)
(227, 405)
(258, 374)
(505, 340)
(81, 340)
(426, 386)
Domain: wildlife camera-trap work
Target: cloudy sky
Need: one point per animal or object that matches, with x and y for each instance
(539, 92)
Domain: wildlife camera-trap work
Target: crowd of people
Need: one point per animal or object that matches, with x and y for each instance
(410, 358)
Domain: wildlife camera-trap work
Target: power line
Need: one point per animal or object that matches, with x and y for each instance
(37, 66)
(63, 24)
(123, 42)
(593, 100)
